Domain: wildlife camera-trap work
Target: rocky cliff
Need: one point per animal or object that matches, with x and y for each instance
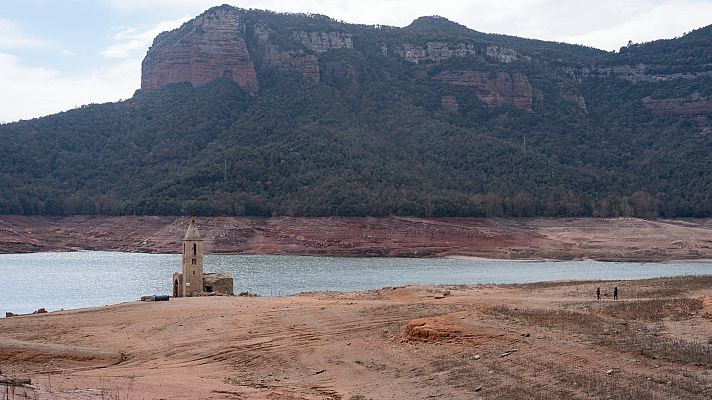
(242, 45)
(441, 51)
(321, 42)
(694, 106)
(215, 45)
(435, 51)
(210, 46)
(306, 64)
(228, 42)
(500, 89)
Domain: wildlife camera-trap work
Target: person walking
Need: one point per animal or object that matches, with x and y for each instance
(598, 293)
(615, 293)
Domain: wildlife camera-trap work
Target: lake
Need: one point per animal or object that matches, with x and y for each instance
(94, 278)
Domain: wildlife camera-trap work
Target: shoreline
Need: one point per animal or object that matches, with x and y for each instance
(441, 257)
(450, 341)
(531, 239)
(545, 282)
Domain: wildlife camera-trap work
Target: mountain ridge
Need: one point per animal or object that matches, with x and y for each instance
(250, 112)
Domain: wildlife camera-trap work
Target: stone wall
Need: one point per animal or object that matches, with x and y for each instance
(218, 284)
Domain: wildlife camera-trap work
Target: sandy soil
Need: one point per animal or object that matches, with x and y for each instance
(623, 239)
(537, 341)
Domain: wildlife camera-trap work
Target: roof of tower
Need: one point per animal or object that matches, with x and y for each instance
(192, 232)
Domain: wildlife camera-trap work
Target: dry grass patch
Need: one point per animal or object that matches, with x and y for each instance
(568, 383)
(671, 287)
(651, 310)
(573, 321)
(623, 335)
(517, 378)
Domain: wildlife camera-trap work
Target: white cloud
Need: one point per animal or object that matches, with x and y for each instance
(29, 92)
(648, 23)
(12, 37)
(606, 24)
(131, 40)
(131, 5)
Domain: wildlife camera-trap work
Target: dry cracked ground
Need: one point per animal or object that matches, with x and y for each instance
(538, 341)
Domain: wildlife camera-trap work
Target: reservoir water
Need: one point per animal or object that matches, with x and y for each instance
(91, 278)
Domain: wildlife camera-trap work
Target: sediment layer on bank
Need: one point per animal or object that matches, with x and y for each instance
(617, 239)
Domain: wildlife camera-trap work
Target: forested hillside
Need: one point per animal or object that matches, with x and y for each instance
(293, 114)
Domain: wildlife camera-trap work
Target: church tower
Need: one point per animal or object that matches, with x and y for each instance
(192, 261)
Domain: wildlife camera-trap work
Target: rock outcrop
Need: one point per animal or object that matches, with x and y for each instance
(632, 73)
(213, 45)
(228, 42)
(435, 51)
(568, 94)
(500, 89)
(210, 46)
(306, 64)
(450, 104)
(690, 106)
(694, 106)
(440, 51)
(321, 42)
(505, 54)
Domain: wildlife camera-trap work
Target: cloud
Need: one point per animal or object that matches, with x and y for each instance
(28, 92)
(606, 24)
(647, 23)
(130, 40)
(132, 5)
(12, 37)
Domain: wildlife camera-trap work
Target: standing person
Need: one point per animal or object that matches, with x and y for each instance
(615, 293)
(598, 293)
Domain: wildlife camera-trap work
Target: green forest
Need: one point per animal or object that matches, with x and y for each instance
(383, 144)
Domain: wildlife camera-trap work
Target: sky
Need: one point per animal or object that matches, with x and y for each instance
(56, 55)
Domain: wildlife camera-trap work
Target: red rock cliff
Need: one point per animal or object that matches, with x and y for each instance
(208, 47)
(494, 89)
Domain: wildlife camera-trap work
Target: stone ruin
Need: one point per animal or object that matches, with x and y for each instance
(193, 281)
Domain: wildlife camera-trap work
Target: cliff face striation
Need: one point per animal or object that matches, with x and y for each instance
(500, 89)
(273, 56)
(244, 45)
(210, 46)
(227, 42)
(215, 45)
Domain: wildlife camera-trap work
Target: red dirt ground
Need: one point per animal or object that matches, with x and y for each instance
(539, 341)
(604, 239)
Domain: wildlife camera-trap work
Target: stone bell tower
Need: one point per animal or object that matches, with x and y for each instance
(192, 284)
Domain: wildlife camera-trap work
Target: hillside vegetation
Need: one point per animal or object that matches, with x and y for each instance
(433, 119)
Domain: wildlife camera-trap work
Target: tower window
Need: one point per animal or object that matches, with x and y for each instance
(192, 261)
(195, 249)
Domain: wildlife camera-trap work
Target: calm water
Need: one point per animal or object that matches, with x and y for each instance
(84, 279)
